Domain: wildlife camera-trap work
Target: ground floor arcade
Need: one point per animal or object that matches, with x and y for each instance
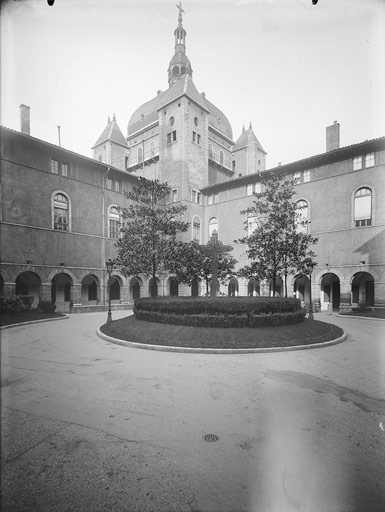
(73, 289)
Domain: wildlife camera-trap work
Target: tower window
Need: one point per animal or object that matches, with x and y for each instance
(175, 70)
(196, 121)
(171, 121)
(171, 137)
(221, 157)
(196, 137)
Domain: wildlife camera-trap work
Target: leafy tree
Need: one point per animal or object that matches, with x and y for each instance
(194, 262)
(276, 234)
(149, 230)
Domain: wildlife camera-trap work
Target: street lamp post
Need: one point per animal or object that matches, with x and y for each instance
(310, 265)
(109, 266)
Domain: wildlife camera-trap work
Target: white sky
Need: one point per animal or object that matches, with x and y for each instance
(287, 66)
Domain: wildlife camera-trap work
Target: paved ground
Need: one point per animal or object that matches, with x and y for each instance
(92, 426)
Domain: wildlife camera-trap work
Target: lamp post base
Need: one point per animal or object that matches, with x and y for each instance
(109, 317)
(310, 316)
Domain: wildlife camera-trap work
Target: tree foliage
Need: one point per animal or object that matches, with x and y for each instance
(148, 243)
(276, 234)
(194, 262)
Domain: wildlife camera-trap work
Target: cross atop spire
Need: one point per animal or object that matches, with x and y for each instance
(180, 13)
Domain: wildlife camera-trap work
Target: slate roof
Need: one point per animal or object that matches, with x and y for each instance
(184, 86)
(243, 140)
(113, 133)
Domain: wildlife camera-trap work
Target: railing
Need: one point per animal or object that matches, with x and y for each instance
(224, 162)
(149, 157)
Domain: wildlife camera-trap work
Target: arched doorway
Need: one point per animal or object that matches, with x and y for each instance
(114, 289)
(135, 288)
(90, 289)
(174, 287)
(362, 289)
(302, 288)
(330, 291)
(253, 288)
(61, 291)
(233, 287)
(28, 283)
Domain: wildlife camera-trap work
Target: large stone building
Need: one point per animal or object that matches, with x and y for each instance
(60, 212)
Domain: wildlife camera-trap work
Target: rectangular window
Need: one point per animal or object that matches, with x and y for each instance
(369, 160)
(198, 138)
(54, 166)
(306, 176)
(109, 184)
(114, 228)
(297, 178)
(64, 169)
(210, 200)
(126, 161)
(252, 224)
(357, 163)
(117, 186)
(363, 208)
(171, 137)
(174, 195)
(194, 137)
(258, 188)
(196, 197)
(60, 219)
(216, 198)
(249, 189)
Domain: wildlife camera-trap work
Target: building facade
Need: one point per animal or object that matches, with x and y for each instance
(60, 210)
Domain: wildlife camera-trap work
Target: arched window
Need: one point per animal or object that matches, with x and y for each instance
(196, 227)
(113, 222)
(61, 212)
(363, 207)
(140, 155)
(175, 70)
(213, 226)
(152, 148)
(302, 212)
(221, 157)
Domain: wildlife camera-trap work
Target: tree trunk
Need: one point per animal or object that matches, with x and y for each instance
(154, 286)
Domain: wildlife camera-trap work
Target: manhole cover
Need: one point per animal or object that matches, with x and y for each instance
(211, 438)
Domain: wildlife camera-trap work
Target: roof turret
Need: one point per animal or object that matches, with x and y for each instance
(179, 64)
(111, 133)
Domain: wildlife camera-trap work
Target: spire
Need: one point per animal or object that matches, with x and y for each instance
(179, 64)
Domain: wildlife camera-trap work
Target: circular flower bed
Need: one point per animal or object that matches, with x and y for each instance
(220, 312)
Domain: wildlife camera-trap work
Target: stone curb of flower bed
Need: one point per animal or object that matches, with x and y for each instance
(361, 317)
(30, 322)
(166, 348)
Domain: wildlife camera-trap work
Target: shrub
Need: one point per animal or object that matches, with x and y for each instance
(200, 320)
(12, 305)
(46, 306)
(27, 301)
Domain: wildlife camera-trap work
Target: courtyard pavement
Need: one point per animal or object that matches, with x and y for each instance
(92, 426)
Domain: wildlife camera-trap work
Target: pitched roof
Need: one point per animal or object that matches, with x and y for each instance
(244, 140)
(112, 133)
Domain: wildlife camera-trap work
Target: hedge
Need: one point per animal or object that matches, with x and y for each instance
(220, 312)
(220, 305)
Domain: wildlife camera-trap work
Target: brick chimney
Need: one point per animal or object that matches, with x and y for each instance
(333, 136)
(25, 119)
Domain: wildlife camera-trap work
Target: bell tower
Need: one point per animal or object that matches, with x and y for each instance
(179, 64)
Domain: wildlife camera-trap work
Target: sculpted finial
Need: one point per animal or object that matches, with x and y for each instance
(180, 12)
